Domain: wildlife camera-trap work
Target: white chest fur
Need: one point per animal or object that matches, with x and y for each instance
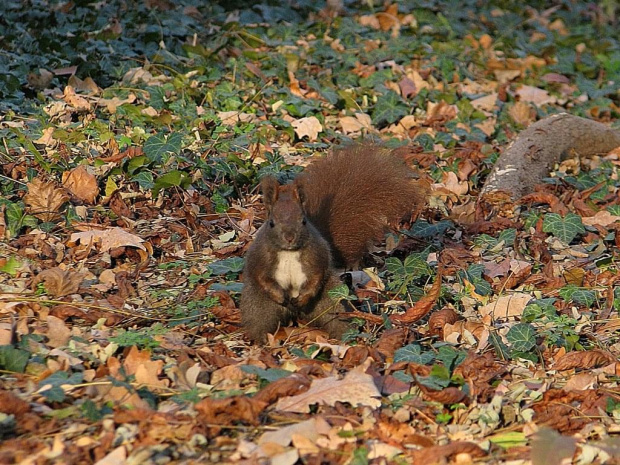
(289, 272)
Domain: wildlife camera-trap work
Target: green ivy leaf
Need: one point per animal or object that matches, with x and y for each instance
(450, 357)
(439, 378)
(174, 178)
(389, 109)
(425, 230)
(415, 267)
(52, 384)
(158, 145)
(269, 375)
(413, 353)
(340, 293)
(565, 229)
(13, 359)
(580, 296)
(228, 265)
(522, 337)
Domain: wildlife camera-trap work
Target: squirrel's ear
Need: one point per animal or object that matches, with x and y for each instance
(299, 190)
(270, 189)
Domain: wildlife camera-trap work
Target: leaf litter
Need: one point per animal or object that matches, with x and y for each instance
(128, 174)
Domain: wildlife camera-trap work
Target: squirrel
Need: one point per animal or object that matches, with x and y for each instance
(329, 215)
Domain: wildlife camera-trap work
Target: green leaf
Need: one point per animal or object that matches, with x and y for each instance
(509, 439)
(439, 378)
(416, 267)
(522, 337)
(52, 385)
(395, 266)
(11, 266)
(423, 229)
(228, 265)
(269, 375)
(157, 146)
(171, 179)
(565, 229)
(12, 359)
(450, 357)
(341, 292)
(389, 109)
(581, 296)
(413, 353)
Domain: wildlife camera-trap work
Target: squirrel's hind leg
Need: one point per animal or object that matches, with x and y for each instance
(260, 315)
(327, 313)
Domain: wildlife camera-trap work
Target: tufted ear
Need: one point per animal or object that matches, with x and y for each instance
(299, 191)
(270, 187)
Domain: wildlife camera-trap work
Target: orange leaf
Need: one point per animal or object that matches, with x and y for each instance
(422, 306)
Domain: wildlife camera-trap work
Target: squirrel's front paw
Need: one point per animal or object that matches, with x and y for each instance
(278, 295)
(301, 300)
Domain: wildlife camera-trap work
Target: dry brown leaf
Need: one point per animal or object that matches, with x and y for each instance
(44, 200)
(355, 124)
(229, 410)
(440, 454)
(580, 382)
(538, 97)
(108, 238)
(447, 396)
(57, 332)
(59, 282)
(311, 429)
(507, 306)
(602, 218)
(585, 360)
(521, 113)
(309, 127)
(47, 138)
(390, 341)
(81, 183)
(76, 101)
(87, 86)
(356, 388)
(146, 371)
(487, 126)
(487, 103)
(451, 182)
(441, 318)
(231, 118)
(113, 103)
(284, 387)
(421, 308)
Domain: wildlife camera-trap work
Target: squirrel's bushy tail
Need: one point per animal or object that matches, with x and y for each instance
(352, 194)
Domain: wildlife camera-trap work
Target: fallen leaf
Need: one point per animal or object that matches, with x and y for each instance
(81, 183)
(586, 359)
(538, 97)
(601, 218)
(44, 200)
(57, 332)
(108, 238)
(309, 126)
(521, 113)
(487, 103)
(356, 388)
(421, 308)
(506, 306)
(59, 282)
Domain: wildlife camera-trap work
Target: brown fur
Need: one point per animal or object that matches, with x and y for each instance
(337, 208)
(353, 193)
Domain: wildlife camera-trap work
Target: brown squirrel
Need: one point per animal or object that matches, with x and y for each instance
(331, 213)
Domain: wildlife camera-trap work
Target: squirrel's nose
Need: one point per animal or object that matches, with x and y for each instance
(289, 237)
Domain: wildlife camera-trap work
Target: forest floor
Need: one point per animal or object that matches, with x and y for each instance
(132, 138)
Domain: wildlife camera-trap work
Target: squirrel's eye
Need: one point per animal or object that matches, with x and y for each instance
(271, 223)
(303, 221)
